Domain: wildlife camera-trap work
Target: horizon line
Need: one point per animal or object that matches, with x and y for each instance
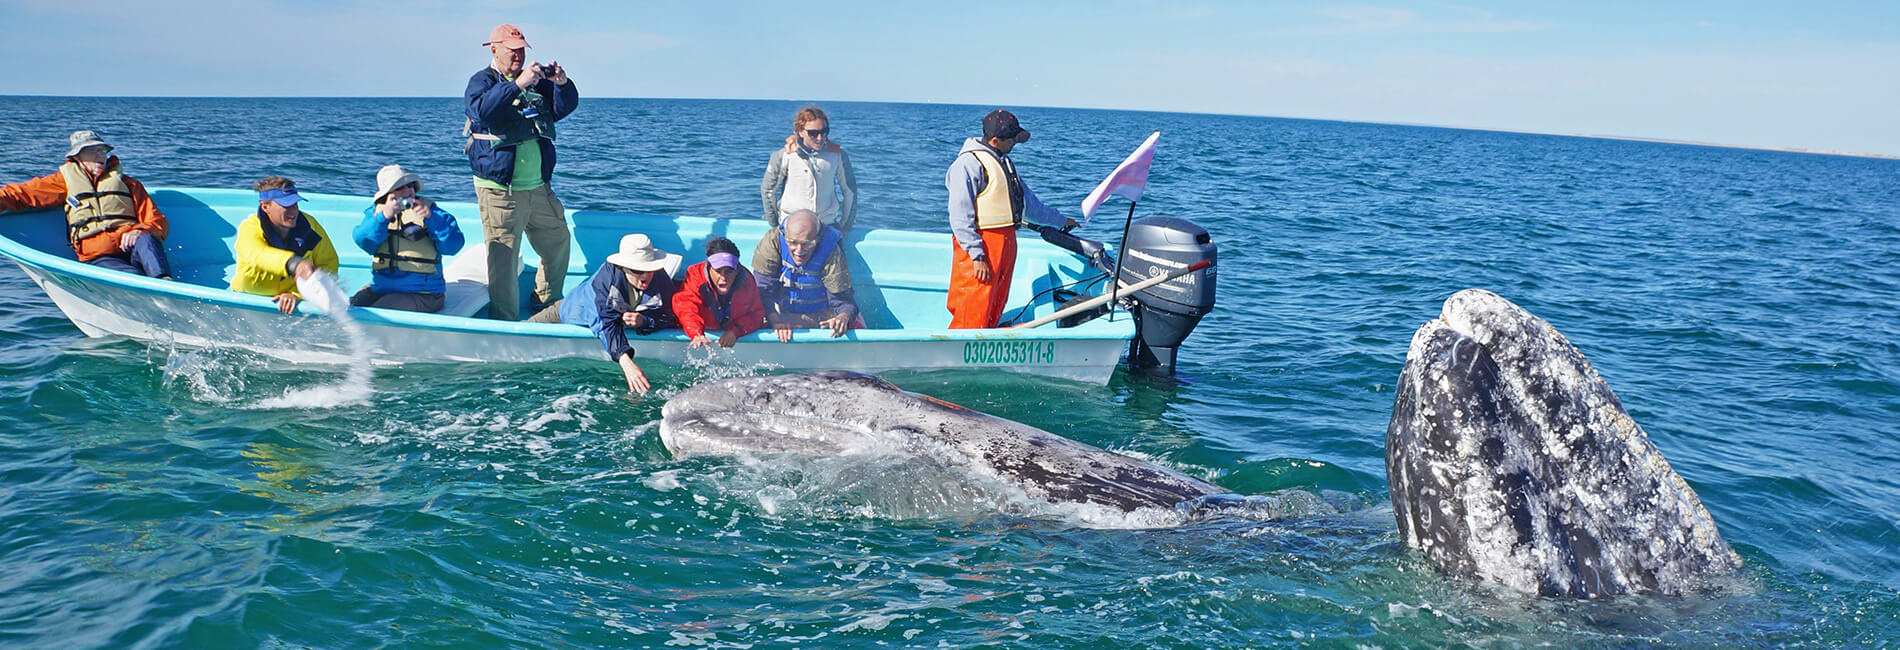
(1455, 127)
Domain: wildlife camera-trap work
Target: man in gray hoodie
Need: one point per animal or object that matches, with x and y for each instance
(988, 202)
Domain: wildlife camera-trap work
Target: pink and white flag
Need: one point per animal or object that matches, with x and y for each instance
(1129, 180)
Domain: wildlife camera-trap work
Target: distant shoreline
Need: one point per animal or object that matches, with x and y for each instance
(1695, 143)
(1631, 138)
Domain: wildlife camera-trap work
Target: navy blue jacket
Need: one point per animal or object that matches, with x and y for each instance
(488, 100)
(598, 305)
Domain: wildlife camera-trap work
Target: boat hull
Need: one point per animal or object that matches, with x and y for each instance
(101, 302)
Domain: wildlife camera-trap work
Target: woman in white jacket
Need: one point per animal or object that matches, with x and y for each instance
(802, 175)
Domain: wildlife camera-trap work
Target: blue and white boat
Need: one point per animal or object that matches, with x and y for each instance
(900, 280)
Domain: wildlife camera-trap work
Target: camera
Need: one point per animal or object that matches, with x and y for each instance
(414, 231)
(546, 70)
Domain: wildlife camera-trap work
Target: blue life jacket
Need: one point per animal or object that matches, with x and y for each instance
(805, 285)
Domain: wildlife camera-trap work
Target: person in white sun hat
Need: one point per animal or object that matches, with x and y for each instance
(407, 236)
(634, 289)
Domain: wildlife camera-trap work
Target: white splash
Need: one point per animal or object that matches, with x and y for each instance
(321, 293)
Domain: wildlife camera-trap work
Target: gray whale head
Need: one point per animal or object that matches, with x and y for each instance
(1509, 459)
(839, 412)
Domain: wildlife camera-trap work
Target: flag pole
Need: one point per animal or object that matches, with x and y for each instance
(1121, 253)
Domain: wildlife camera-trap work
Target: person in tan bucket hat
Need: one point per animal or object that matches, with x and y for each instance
(407, 237)
(110, 219)
(511, 107)
(633, 289)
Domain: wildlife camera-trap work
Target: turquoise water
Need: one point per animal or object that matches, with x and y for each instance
(1745, 305)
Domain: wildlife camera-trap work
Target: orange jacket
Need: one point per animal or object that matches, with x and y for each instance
(50, 191)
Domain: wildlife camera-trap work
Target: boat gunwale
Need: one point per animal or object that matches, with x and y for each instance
(1101, 328)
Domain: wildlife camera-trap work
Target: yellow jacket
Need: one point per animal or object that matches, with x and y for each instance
(260, 263)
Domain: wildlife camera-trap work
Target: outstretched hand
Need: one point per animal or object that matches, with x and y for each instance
(636, 380)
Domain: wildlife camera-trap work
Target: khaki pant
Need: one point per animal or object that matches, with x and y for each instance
(548, 314)
(505, 215)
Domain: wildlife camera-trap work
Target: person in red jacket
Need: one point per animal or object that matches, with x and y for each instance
(719, 293)
(110, 219)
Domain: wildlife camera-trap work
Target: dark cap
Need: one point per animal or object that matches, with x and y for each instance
(1002, 124)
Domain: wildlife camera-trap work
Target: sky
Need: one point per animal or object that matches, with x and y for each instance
(1814, 75)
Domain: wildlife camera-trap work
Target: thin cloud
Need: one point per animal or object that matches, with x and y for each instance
(1358, 20)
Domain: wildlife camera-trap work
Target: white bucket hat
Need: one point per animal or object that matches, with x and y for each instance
(392, 177)
(637, 253)
(84, 138)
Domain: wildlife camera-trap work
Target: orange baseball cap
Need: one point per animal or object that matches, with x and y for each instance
(507, 36)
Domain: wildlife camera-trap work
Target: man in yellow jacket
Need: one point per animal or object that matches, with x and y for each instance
(279, 245)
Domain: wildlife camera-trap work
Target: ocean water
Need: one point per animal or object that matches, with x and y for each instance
(1745, 305)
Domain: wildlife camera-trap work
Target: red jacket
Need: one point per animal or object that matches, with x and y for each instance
(690, 304)
(50, 191)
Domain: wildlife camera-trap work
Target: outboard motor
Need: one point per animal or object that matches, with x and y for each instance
(1166, 313)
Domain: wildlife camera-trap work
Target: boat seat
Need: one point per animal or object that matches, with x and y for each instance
(467, 278)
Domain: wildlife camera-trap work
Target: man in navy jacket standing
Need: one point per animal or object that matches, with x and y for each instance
(512, 106)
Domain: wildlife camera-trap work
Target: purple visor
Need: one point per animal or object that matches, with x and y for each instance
(723, 260)
(284, 196)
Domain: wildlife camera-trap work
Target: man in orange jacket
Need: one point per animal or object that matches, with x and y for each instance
(110, 220)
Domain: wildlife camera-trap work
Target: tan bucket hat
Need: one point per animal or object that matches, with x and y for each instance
(637, 253)
(391, 178)
(84, 138)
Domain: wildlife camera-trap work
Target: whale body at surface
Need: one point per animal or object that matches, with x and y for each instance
(1508, 458)
(835, 413)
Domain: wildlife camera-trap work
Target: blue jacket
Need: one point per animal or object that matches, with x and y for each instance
(488, 101)
(374, 230)
(598, 305)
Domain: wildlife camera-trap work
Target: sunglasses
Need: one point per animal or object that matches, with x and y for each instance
(813, 133)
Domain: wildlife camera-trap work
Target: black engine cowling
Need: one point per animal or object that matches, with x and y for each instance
(1167, 312)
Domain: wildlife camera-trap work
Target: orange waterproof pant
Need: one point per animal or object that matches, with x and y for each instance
(974, 304)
